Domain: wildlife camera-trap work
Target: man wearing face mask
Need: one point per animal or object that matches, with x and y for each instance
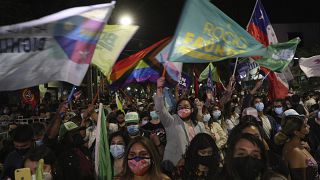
(132, 124)
(23, 142)
(270, 126)
(277, 110)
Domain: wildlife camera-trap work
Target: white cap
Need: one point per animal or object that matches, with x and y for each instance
(291, 112)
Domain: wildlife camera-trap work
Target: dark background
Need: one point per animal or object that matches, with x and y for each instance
(158, 18)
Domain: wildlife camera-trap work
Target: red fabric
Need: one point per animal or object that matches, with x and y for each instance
(28, 96)
(258, 29)
(277, 89)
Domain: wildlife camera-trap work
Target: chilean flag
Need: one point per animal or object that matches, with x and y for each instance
(259, 27)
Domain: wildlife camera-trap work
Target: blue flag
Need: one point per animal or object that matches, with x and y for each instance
(205, 34)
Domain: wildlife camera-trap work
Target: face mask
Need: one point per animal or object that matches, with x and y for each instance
(248, 167)
(39, 143)
(260, 107)
(144, 122)
(154, 115)
(117, 151)
(140, 108)
(208, 161)
(319, 115)
(133, 130)
(278, 110)
(82, 115)
(139, 165)
(241, 93)
(22, 152)
(45, 176)
(184, 113)
(206, 118)
(216, 114)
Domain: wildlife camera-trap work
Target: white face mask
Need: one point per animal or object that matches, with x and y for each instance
(206, 118)
(140, 108)
(143, 122)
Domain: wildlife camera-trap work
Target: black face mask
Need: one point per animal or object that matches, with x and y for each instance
(22, 152)
(209, 161)
(248, 168)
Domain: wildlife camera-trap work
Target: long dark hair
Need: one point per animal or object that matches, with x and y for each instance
(199, 142)
(229, 165)
(154, 170)
(195, 110)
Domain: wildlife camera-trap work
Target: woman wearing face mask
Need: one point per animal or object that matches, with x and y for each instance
(117, 143)
(180, 128)
(250, 125)
(201, 159)
(301, 163)
(215, 129)
(142, 161)
(245, 158)
(50, 167)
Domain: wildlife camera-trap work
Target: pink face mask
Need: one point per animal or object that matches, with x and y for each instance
(139, 166)
(184, 113)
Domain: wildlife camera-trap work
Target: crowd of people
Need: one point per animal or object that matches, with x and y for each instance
(238, 134)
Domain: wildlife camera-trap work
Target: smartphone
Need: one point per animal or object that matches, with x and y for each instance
(22, 174)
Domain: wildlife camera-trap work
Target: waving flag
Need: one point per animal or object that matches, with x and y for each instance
(174, 69)
(103, 166)
(140, 67)
(205, 34)
(58, 47)
(112, 41)
(280, 55)
(214, 73)
(310, 66)
(259, 27)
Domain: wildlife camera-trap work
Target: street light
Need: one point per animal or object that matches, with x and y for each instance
(126, 20)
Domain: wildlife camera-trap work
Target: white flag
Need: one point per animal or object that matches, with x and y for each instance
(58, 47)
(310, 66)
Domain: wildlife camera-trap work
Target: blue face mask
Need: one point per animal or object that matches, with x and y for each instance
(260, 106)
(216, 114)
(117, 150)
(278, 110)
(154, 115)
(206, 118)
(39, 143)
(133, 130)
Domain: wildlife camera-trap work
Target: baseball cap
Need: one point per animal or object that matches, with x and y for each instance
(250, 111)
(68, 127)
(292, 112)
(131, 117)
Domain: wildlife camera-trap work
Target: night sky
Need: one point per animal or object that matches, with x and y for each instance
(158, 18)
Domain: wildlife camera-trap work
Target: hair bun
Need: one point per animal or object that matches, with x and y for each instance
(280, 138)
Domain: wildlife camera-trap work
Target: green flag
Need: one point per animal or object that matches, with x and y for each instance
(39, 171)
(279, 55)
(214, 72)
(205, 34)
(102, 154)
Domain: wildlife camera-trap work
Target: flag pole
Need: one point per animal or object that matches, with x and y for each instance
(266, 76)
(235, 67)
(163, 72)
